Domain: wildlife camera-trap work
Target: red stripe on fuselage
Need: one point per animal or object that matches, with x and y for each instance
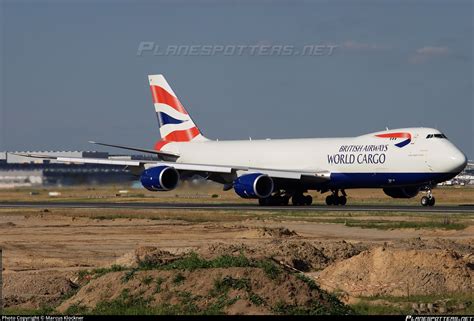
(161, 96)
(395, 135)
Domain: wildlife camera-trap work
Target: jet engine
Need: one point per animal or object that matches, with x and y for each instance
(253, 185)
(160, 178)
(402, 192)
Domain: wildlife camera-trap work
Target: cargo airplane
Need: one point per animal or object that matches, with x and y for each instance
(402, 162)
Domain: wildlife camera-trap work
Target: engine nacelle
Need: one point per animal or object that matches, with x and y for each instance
(160, 178)
(254, 185)
(402, 192)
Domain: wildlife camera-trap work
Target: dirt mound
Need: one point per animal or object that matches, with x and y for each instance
(400, 272)
(33, 290)
(340, 250)
(237, 290)
(300, 254)
(7, 224)
(463, 248)
(146, 255)
(279, 232)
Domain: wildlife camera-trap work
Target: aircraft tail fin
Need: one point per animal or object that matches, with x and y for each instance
(174, 121)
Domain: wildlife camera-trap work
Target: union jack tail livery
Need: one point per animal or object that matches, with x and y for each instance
(175, 123)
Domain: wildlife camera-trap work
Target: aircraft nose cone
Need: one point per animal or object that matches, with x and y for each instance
(458, 161)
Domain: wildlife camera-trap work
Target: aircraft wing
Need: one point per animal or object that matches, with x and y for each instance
(143, 163)
(143, 150)
(320, 176)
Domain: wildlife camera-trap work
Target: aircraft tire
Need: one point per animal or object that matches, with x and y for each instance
(432, 201)
(329, 200)
(342, 200)
(285, 200)
(425, 201)
(298, 200)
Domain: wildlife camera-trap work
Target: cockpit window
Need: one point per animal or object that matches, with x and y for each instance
(436, 136)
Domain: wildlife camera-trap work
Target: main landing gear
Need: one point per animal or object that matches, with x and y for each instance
(428, 200)
(283, 199)
(277, 199)
(299, 199)
(335, 199)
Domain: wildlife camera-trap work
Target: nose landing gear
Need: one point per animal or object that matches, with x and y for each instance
(428, 200)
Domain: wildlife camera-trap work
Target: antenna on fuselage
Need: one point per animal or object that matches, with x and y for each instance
(386, 128)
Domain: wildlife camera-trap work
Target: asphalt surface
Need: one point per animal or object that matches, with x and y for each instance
(461, 209)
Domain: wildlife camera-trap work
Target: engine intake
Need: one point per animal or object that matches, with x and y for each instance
(402, 192)
(160, 178)
(254, 185)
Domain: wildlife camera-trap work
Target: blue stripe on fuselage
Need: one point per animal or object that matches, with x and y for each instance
(371, 180)
(404, 143)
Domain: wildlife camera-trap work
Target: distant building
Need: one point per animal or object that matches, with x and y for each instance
(466, 177)
(3, 157)
(18, 171)
(470, 166)
(20, 178)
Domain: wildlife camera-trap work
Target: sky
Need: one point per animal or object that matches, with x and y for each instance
(72, 71)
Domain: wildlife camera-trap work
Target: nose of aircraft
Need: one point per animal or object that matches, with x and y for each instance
(458, 160)
(447, 158)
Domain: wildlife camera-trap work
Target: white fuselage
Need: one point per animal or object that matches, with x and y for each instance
(357, 159)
